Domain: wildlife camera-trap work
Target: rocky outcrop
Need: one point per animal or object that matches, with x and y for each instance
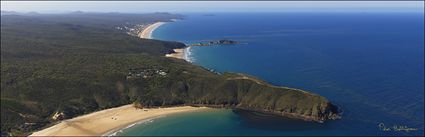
(58, 116)
(323, 113)
(328, 112)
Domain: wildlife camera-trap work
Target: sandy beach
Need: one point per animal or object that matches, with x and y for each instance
(109, 120)
(179, 53)
(147, 32)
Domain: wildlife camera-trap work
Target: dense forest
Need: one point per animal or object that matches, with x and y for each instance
(78, 63)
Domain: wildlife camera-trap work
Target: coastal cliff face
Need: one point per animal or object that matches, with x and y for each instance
(286, 102)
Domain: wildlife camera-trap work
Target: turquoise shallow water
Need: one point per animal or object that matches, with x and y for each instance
(223, 122)
(369, 64)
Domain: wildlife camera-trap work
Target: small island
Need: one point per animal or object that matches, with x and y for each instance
(215, 42)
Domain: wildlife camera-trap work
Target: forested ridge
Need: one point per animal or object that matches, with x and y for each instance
(78, 63)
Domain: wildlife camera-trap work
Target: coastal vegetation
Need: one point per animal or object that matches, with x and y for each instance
(59, 66)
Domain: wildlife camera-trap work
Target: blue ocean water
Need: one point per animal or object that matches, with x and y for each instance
(371, 64)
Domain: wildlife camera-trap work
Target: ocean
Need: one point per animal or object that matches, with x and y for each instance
(371, 64)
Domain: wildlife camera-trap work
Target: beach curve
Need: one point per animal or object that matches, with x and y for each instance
(147, 32)
(178, 53)
(109, 120)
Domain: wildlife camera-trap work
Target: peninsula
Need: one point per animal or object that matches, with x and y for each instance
(86, 62)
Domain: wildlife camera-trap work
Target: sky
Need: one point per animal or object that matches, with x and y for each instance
(208, 6)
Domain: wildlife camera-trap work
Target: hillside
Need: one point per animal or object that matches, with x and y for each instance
(79, 63)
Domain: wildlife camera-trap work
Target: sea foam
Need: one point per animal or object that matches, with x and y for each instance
(188, 55)
(116, 132)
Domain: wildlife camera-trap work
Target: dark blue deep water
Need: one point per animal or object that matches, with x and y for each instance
(371, 64)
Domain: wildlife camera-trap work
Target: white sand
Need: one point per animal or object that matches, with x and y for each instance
(105, 121)
(147, 32)
(179, 53)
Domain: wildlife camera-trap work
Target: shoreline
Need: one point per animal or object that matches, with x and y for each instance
(181, 53)
(147, 32)
(111, 120)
